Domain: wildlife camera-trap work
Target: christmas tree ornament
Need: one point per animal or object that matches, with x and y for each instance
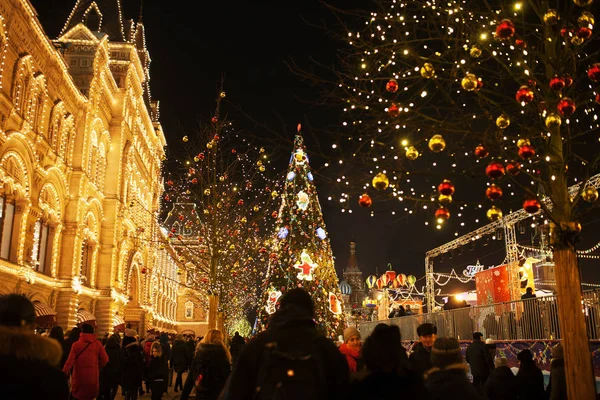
(583, 3)
(442, 214)
(273, 296)
(222, 94)
(520, 43)
(475, 51)
(444, 199)
(523, 142)
(321, 234)
(494, 213)
(144, 270)
(590, 194)
(495, 170)
(391, 274)
(283, 233)
(586, 19)
(365, 200)
(291, 175)
(577, 41)
(481, 151)
(303, 200)
(566, 107)
(597, 98)
(557, 83)
(526, 152)
(256, 208)
(305, 266)
(380, 181)
(335, 305)
(446, 188)
(493, 192)
(503, 121)
(469, 82)
(412, 153)
(551, 17)
(584, 33)
(553, 120)
(479, 85)
(594, 72)
(240, 202)
(524, 95)
(185, 139)
(393, 110)
(564, 32)
(437, 143)
(392, 86)
(206, 192)
(505, 29)
(274, 214)
(531, 206)
(262, 168)
(274, 194)
(427, 71)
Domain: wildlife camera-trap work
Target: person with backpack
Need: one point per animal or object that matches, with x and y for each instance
(291, 359)
(86, 359)
(210, 368)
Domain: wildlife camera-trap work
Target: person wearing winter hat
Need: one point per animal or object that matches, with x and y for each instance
(351, 349)
(449, 375)
(420, 358)
(557, 387)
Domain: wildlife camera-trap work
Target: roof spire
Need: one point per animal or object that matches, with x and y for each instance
(140, 17)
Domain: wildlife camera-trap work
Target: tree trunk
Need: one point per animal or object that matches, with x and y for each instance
(213, 306)
(578, 359)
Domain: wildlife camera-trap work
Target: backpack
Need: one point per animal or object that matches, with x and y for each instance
(291, 372)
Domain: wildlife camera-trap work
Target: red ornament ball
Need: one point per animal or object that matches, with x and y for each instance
(584, 32)
(557, 83)
(526, 152)
(392, 86)
(505, 29)
(594, 72)
(568, 80)
(446, 188)
(442, 214)
(566, 107)
(564, 32)
(274, 214)
(520, 43)
(481, 151)
(365, 200)
(524, 94)
(493, 192)
(195, 180)
(214, 120)
(495, 170)
(240, 202)
(393, 110)
(597, 98)
(531, 206)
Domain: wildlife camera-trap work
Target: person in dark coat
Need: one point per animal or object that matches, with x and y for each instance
(28, 362)
(557, 387)
(213, 361)
(110, 375)
(236, 345)
(291, 327)
(132, 365)
(180, 361)
(166, 346)
(502, 383)
(447, 380)
(73, 337)
(478, 358)
(420, 358)
(58, 334)
(530, 379)
(491, 347)
(158, 372)
(387, 369)
(85, 360)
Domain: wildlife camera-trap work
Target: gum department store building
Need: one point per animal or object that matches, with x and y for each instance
(81, 149)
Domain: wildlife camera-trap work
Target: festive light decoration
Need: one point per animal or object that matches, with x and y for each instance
(512, 168)
(524, 95)
(551, 17)
(371, 281)
(305, 267)
(590, 194)
(412, 153)
(502, 122)
(481, 151)
(526, 152)
(272, 298)
(493, 192)
(469, 82)
(392, 86)
(437, 143)
(553, 120)
(365, 200)
(442, 214)
(380, 181)
(427, 71)
(446, 188)
(394, 110)
(505, 29)
(495, 170)
(494, 213)
(557, 83)
(566, 107)
(531, 206)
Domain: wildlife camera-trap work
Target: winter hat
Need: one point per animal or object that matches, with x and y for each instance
(298, 297)
(558, 352)
(349, 332)
(445, 352)
(87, 328)
(426, 329)
(500, 362)
(130, 333)
(489, 341)
(16, 311)
(127, 340)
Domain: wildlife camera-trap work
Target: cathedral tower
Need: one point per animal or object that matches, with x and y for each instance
(354, 277)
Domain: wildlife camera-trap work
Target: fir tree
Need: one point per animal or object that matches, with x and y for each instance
(301, 253)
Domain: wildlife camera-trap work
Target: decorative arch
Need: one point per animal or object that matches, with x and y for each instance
(134, 282)
(22, 78)
(15, 173)
(57, 116)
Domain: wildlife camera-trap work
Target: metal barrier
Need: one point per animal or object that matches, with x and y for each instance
(531, 319)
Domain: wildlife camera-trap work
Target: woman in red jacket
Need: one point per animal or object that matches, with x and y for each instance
(86, 358)
(351, 350)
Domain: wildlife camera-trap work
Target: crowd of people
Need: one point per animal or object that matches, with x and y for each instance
(291, 359)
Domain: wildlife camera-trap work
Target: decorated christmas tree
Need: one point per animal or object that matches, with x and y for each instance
(301, 252)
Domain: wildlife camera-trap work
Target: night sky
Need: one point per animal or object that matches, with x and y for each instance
(193, 46)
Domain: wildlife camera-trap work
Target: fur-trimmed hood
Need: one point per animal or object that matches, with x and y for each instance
(26, 345)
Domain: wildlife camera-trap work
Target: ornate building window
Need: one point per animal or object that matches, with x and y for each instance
(189, 310)
(7, 217)
(41, 245)
(87, 254)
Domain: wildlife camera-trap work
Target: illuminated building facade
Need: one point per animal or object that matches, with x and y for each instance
(80, 171)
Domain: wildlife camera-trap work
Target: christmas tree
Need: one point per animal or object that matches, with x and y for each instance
(301, 252)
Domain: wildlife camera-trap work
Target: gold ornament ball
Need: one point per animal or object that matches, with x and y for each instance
(261, 168)
(577, 41)
(209, 145)
(185, 139)
(503, 121)
(206, 212)
(427, 71)
(590, 194)
(274, 194)
(256, 208)
(586, 18)
(583, 3)
(494, 213)
(380, 181)
(551, 17)
(206, 192)
(553, 120)
(469, 82)
(412, 153)
(444, 199)
(475, 51)
(222, 94)
(437, 143)
(523, 142)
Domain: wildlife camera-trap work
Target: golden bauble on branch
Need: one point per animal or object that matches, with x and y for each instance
(583, 3)
(553, 120)
(577, 41)
(444, 199)
(412, 153)
(437, 143)
(222, 94)
(523, 142)
(206, 192)
(494, 213)
(380, 181)
(590, 194)
(427, 71)
(586, 18)
(185, 139)
(469, 82)
(261, 168)
(475, 51)
(551, 17)
(503, 121)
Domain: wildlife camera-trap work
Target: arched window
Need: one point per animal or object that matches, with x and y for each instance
(39, 254)
(87, 253)
(7, 219)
